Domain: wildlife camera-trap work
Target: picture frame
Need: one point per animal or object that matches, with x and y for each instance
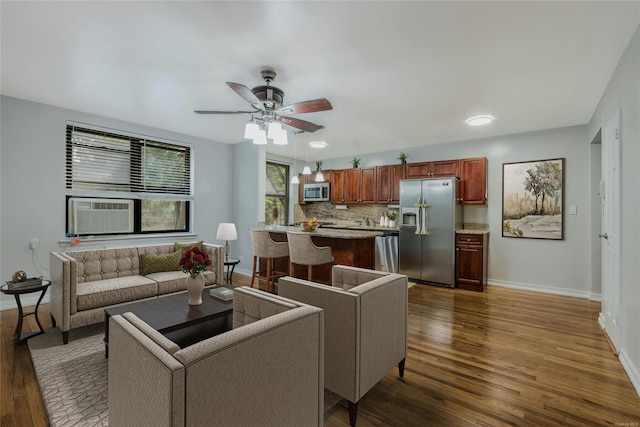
(533, 199)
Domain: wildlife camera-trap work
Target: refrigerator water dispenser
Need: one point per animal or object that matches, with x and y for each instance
(409, 216)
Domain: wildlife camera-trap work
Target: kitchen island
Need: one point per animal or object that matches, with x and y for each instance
(349, 247)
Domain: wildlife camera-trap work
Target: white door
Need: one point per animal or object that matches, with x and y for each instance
(611, 211)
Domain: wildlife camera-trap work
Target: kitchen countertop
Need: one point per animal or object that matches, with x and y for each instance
(473, 229)
(361, 227)
(329, 232)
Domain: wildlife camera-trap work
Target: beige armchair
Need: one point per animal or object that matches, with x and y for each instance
(266, 371)
(365, 327)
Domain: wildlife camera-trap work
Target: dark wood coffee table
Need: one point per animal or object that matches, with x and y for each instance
(172, 313)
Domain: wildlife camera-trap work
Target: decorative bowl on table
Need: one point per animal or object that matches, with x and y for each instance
(308, 226)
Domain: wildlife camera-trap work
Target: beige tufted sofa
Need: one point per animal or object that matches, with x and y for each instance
(266, 371)
(85, 283)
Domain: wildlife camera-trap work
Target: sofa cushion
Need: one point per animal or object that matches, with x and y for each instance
(182, 247)
(175, 281)
(155, 263)
(102, 293)
(106, 264)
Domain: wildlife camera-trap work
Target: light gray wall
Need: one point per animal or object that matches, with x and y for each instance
(623, 91)
(32, 175)
(249, 170)
(543, 265)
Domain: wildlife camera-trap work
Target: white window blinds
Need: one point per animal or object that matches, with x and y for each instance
(102, 162)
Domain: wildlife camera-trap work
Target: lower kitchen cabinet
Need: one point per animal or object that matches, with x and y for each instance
(471, 261)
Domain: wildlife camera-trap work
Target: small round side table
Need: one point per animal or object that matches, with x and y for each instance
(18, 335)
(230, 263)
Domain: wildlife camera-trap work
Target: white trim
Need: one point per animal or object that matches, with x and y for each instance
(595, 297)
(538, 288)
(630, 369)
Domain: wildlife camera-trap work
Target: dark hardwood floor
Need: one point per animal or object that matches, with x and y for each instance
(501, 358)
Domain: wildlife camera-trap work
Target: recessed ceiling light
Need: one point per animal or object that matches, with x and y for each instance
(479, 120)
(317, 144)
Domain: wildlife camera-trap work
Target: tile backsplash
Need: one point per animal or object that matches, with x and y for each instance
(359, 214)
(353, 215)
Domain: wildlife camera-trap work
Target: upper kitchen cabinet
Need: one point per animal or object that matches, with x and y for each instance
(473, 181)
(388, 183)
(360, 185)
(439, 169)
(337, 186)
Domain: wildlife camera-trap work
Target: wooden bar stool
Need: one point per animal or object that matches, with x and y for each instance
(303, 251)
(265, 248)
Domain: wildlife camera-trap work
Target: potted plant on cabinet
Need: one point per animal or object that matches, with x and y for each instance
(403, 157)
(355, 162)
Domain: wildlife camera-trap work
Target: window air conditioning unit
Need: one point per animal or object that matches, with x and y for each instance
(100, 216)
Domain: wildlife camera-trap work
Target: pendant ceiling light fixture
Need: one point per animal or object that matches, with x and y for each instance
(294, 179)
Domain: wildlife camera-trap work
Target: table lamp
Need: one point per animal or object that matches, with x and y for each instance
(227, 231)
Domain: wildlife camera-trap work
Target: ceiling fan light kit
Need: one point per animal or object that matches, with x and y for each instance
(266, 101)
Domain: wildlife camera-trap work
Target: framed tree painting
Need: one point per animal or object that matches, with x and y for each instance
(532, 199)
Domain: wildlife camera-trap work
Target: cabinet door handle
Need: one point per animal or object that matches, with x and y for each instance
(604, 236)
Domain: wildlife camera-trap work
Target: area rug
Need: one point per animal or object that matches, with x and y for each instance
(73, 377)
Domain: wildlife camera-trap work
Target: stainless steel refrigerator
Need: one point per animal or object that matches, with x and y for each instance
(430, 212)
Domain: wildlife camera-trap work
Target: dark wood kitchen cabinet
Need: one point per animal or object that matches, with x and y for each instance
(360, 185)
(471, 261)
(388, 183)
(473, 181)
(337, 186)
(439, 169)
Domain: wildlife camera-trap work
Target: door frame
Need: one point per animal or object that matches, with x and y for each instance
(610, 316)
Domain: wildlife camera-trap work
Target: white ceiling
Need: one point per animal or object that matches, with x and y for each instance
(399, 74)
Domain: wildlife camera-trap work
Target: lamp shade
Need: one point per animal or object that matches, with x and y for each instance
(295, 179)
(274, 129)
(281, 138)
(251, 130)
(260, 138)
(319, 176)
(227, 231)
(306, 170)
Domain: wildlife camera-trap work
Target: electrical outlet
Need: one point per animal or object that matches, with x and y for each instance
(573, 210)
(34, 243)
(241, 258)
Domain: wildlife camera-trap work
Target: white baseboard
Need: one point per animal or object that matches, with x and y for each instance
(595, 297)
(539, 288)
(630, 369)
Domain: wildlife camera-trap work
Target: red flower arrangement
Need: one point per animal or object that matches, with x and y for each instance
(194, 261)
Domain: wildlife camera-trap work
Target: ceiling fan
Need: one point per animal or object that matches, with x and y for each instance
(267, 103)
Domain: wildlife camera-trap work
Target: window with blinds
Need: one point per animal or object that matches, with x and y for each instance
(155, 175)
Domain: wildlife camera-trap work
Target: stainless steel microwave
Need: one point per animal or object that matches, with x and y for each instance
(316, 192)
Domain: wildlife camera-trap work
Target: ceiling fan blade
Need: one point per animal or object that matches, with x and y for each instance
(224, 112)
(320, 104)
(247, 95)
(300, 124)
